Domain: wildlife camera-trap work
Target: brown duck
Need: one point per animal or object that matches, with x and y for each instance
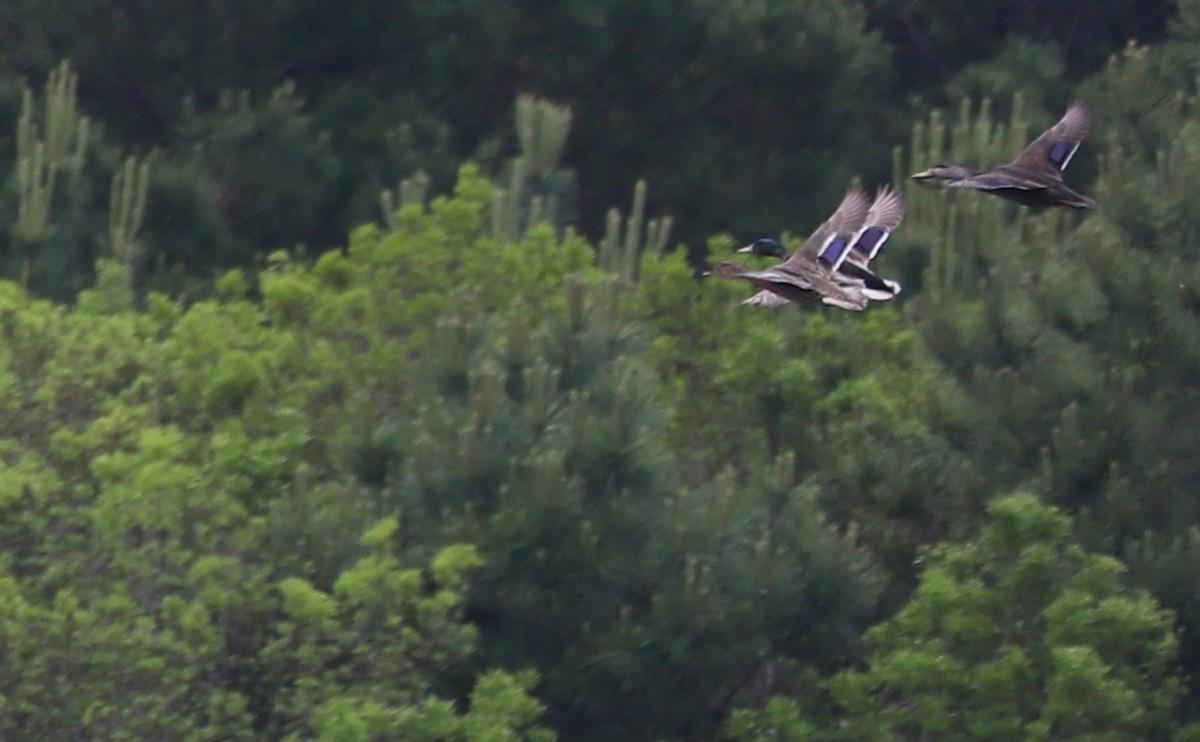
(832, 267)
(1034, 178)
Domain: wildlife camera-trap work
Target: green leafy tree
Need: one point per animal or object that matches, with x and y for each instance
(181, 539)
(1020, 633)
(519, 415)
(359, 662)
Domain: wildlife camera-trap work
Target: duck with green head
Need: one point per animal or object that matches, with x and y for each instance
(838, 251)
(831, 267)
(1034, 178)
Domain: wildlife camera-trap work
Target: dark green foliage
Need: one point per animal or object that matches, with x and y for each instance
(682, 78)
(1089, 352)
(935, 39)
(613, 579)
(745, 117)
(264, 166)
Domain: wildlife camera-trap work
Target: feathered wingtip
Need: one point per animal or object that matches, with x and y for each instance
(885, 216)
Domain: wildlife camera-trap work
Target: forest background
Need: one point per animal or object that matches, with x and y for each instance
(358, 382)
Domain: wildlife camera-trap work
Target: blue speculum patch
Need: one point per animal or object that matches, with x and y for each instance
(832, 252)
(1060, 152)
(871, 240)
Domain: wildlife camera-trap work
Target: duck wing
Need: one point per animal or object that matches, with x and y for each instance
(834, 234)
(884, 216)
(1053, 150)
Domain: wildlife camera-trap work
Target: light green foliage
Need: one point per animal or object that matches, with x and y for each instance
(780, 719)
(130, 675)
(538, 190)
(305, 604)
(500, 710)
(542, 129)
(184, 530)
(57, 145)
(625, 241)
(413, 190)
(1017, 634)
(426, 266)
(357, 663)
(127, 210)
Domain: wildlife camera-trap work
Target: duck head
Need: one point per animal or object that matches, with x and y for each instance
(941, 173)
(765, 246)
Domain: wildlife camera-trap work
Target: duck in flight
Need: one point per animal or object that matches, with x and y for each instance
(832, 266)
(851, 268)
(1034, 178)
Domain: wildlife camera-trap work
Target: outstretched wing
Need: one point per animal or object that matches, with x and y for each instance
(1056, 146)
(885, 215)
(835, 233)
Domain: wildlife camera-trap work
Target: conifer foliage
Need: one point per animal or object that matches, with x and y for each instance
(469, 474)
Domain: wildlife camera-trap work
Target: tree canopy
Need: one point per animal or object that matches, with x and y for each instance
(360, 382)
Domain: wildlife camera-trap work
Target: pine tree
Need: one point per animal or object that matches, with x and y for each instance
(1073, 337)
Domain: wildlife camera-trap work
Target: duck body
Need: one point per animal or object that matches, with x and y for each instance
(832, 267)
(782, 284)
(1017, 185)
(807, 275)
(848, 275)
